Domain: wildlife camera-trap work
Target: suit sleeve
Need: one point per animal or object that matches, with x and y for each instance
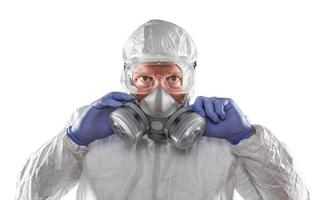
(266, 170)
(53, 170)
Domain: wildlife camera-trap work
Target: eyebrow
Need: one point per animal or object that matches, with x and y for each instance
(147, 74)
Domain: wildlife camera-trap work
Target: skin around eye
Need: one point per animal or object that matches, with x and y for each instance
(174, 78)
(174, 82)
(145, 78)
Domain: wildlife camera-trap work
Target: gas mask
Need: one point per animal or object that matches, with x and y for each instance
(160, 117)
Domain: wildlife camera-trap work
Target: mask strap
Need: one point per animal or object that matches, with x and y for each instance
(186, 100)
(194, 65)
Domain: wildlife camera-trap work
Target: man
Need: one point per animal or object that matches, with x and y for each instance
(151, 144)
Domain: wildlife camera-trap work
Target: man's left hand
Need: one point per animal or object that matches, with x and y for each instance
(223, 119)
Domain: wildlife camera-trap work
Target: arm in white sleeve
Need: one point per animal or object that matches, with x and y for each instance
(266, 169)
(53, 169)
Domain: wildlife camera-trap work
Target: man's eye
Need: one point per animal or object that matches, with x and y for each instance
(173, 78)
(145, 78)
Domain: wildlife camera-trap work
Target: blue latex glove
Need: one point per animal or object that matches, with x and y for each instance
(223, 119)
(94, 124)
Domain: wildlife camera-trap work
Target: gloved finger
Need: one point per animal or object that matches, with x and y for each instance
(112, 99)
(106, 102)
(198, 106)
(229, 104)
(120, 96)
(219, 107)
(209, 110)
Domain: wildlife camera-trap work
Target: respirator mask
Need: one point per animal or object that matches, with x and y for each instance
(159, 116)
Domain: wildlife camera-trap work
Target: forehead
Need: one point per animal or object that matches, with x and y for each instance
(157, 68)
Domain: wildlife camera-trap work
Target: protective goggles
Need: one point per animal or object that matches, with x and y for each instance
(144, 77)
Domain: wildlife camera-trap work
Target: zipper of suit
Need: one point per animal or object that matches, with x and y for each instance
(156, 166)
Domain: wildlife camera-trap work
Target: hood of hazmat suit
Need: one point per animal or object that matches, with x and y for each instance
(259, 167)
(160, 41)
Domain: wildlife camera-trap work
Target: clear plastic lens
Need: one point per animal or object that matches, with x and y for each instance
(146, 83)
(143, 82)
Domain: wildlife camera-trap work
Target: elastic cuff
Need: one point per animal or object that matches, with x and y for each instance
(74, 138)
(78, 150)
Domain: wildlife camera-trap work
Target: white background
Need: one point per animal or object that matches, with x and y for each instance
(269, 56)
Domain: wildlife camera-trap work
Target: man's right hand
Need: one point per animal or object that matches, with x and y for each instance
(94, 124)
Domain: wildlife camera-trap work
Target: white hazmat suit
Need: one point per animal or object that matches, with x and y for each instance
(108, 169)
